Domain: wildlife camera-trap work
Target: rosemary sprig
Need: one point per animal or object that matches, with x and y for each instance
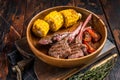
(97, 73)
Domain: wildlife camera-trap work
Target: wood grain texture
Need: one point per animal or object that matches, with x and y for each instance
(115, 72)
(112, 13)
(64, 3)
(18, 17)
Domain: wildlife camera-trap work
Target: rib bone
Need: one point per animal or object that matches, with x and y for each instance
(79, 37)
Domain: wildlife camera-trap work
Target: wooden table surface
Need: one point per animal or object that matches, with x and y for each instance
(15, 15)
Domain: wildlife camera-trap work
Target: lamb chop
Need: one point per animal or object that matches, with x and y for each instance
(66, 48)
(61, 49)
(52, 38)
(90, 37)
(78, 49)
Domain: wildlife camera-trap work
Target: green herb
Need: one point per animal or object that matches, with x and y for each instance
(98, 73)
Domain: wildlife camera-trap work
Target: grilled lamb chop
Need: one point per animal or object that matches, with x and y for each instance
(79, 37)
(60, 36)
(61, 49)
(45, 41)
(66, 48)
(53, 38)
(78, 49)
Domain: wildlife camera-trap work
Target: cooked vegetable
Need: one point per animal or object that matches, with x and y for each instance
(87, 37)
(55, 20)
(70, 17)
(40, 28)
(90, 48)
(96, 37)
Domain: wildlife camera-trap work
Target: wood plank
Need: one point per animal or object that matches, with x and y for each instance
(64, 3)
(3, 7)
(17, 18)
(35, 6)
(13, 23)
(112, 13)
(114, 74)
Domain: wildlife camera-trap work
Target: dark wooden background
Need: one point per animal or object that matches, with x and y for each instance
(16, 14)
